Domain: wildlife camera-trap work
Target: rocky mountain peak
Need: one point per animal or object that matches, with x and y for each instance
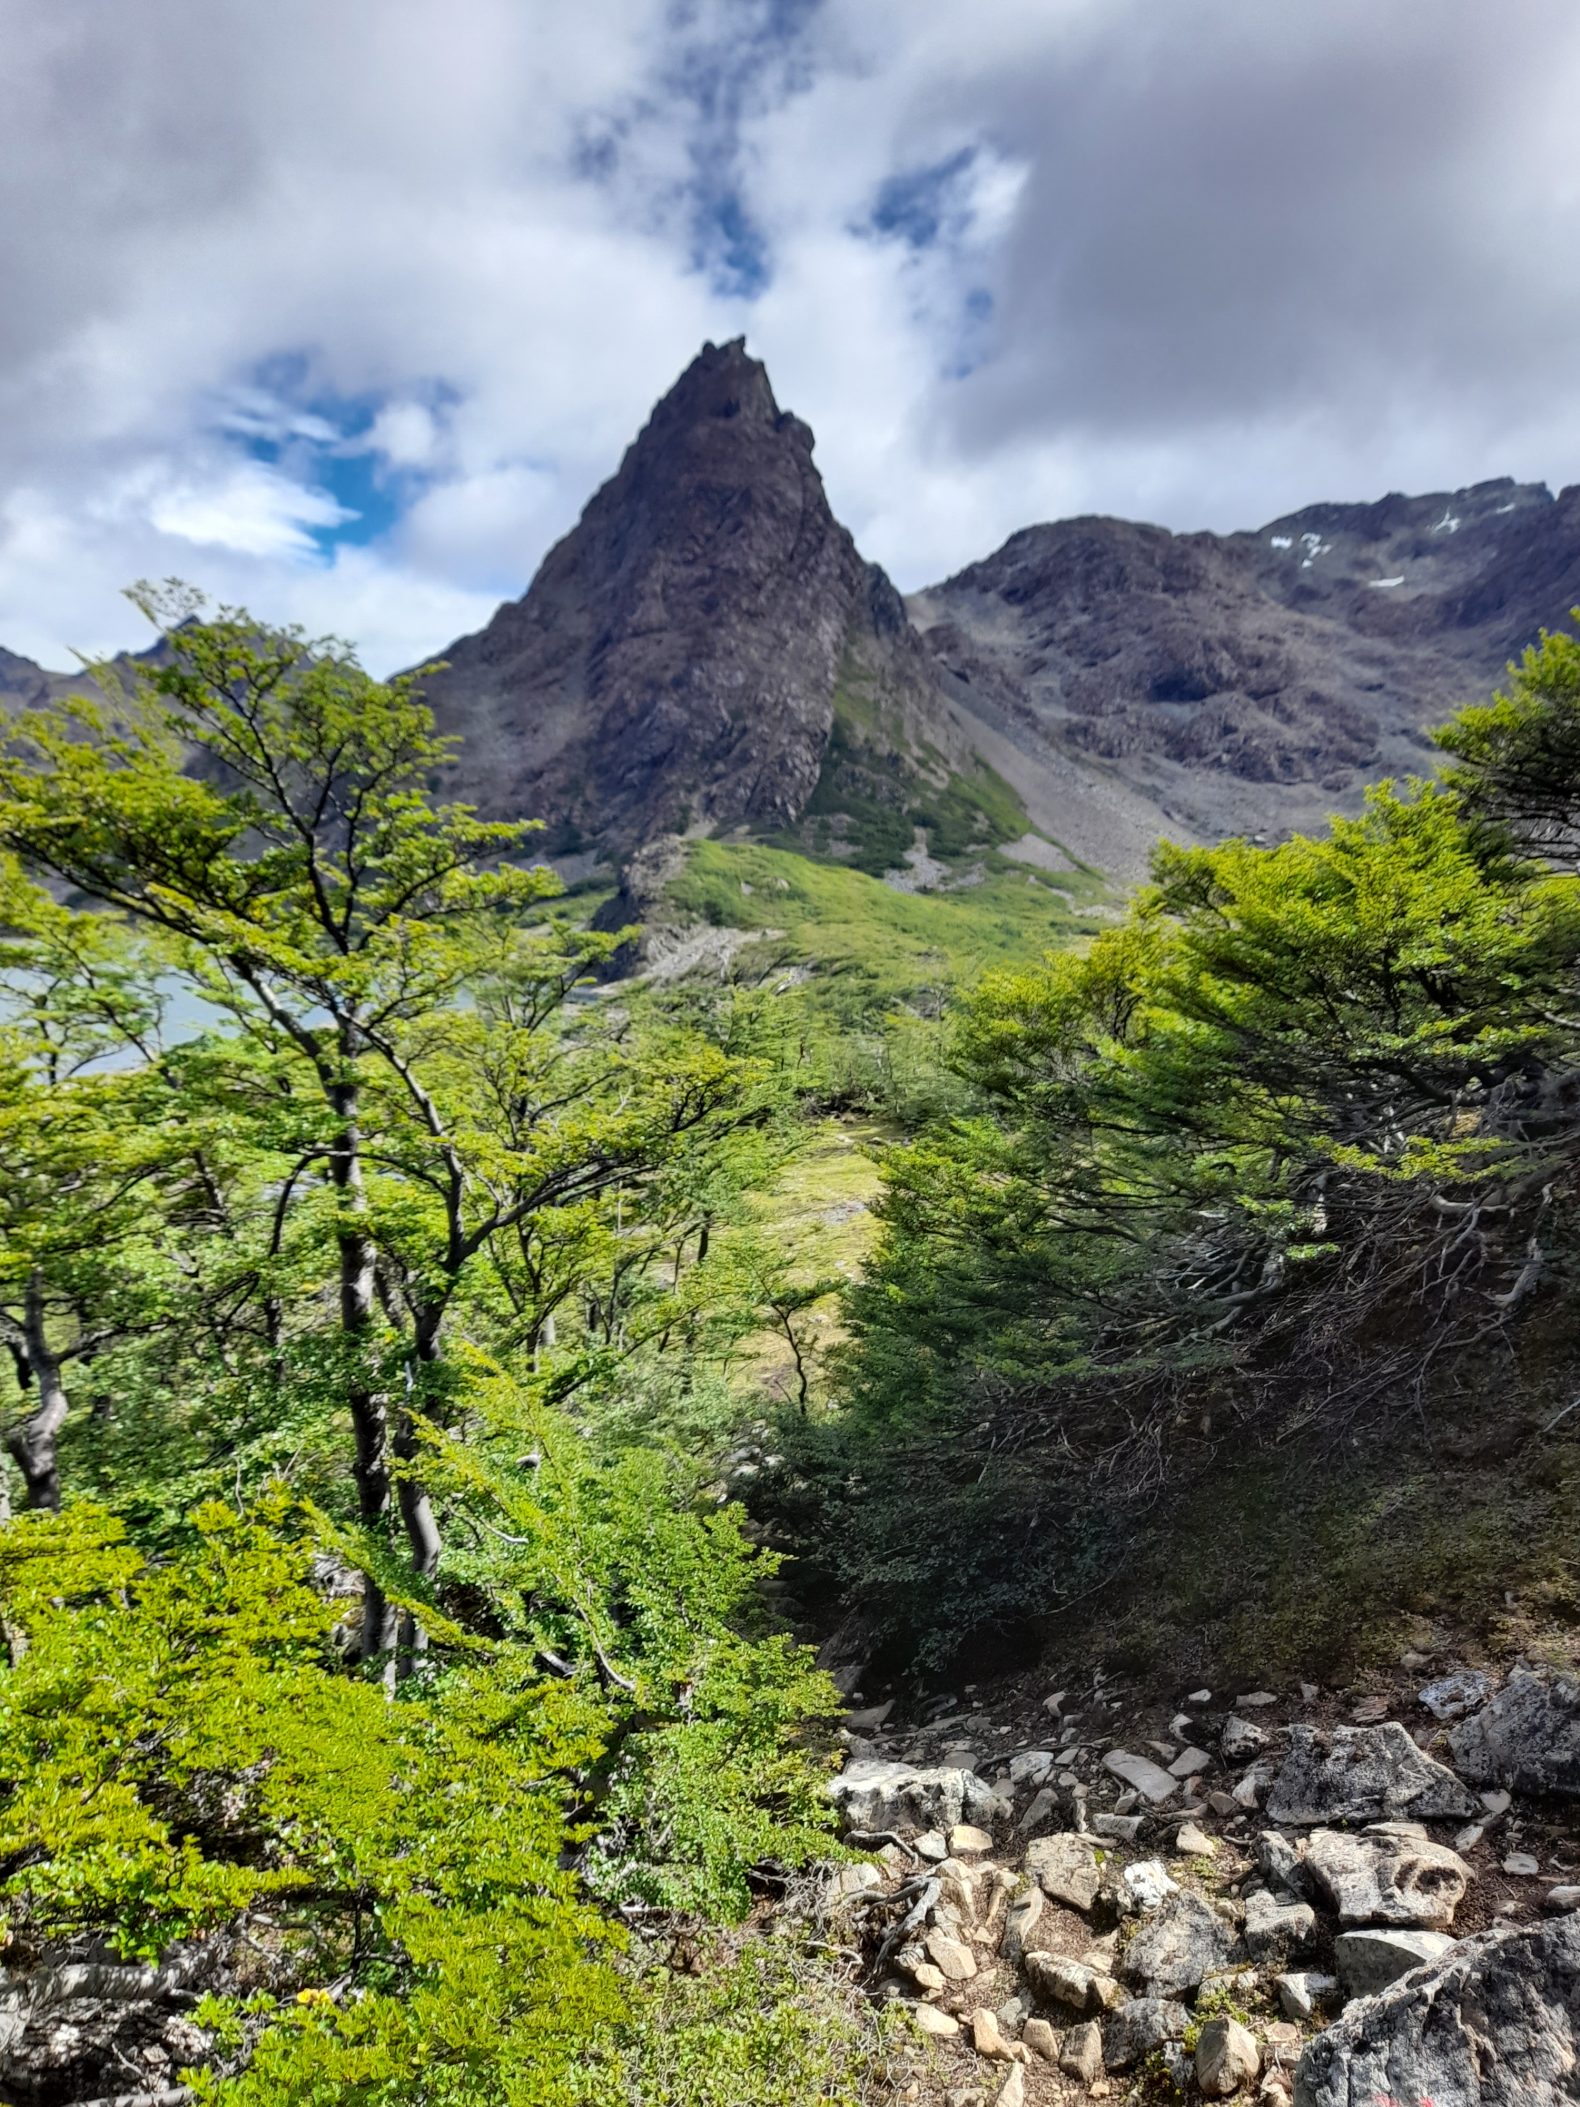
(672, 668)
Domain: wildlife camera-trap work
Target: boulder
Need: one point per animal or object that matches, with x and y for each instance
(1527, 1738)
(1138, 2027)
(953, 1956)
(1179, 1944)
(1082, 2054)
(1274, 1930)
(1064, 1981)
(875, 1794)
(1367, 1961)
(1381, 1878)
(1242, 1740)
(1065, 1868)
(1494, 2023)
(1142, 1774)
(1363, 1774)
(1452, 1696)
(64, 2027)
(1227, 2058)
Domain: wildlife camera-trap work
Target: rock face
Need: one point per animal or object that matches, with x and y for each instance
(1257, 679)
(1527, 1738)
(1363, 1774)
(673, 666)
(63, 2028)
(1495, 2023)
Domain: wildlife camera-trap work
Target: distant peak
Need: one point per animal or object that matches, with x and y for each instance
(723, 382)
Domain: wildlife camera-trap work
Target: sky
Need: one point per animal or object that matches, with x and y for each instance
(342, 311)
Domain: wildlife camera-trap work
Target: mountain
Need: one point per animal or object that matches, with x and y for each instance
(705, 651)
(1253, 682)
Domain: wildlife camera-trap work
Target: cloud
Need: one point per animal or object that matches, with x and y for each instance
(346, 311)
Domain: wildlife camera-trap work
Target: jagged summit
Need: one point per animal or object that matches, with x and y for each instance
(673, 665)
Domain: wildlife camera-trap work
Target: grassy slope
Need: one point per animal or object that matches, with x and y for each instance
(869, 946)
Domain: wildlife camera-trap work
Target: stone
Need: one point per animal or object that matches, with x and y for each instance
(1371, 1711)
(1183, 1940)
(1082, 2054)
(1495, 2022)
(1042, 1807)
(932, 1846)
(1147, 1883)
(1120, 1828)
(987, 2038)
(1386, 1879)
(1191, 1842)
(1182, 1726)
(942, 2025)
(1041, 2039)
(1065, 1981)
(1276, 1930)
(1302, 1991)
(966, 1839)
(1367, 1961)
(926, 1976)
(1452, 1696)
(1065, 1867)
(1142, 1775)
(873, 1716)
(1140, 2026)
(1223, 1804)
(1012, 2093)
(1527, 1738)
(848, 1881)
(1521, 1863)
(1467, 1839)
(952, 1955)
(1031, 1767)
(1282, 1863)
(1189, 1762)
(1282, 2042)
(1227, 2058)
(1363, 1774)
(1496, 1803)
(874, 1793)
(1199, 1697)
(1255, 1700)
(1241, 1739)
(1020, 1920)
(1565, 1896)
(1252, 1788)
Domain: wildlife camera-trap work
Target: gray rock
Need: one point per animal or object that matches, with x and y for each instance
(1282, 1863)
(1227, 2057)
(1065, 1868)
(1275, 1930)
(1527, 1738)
(1384, 1879)
(1138, 2027)
(1242, 1739)
(1452, 1696)
(1367, 1961)
(1020, 1920)
(874, 1793)
(1082, 2055)
(1142, 1774)
(1120, 1828)
(1561, 1898)
(1363, 1774)
(1495, 2023)
(1190, 1763)
(1146, 1883)
(1042, 1807)
(1302, 1990)
(1064, 1981)
(1180, 1943)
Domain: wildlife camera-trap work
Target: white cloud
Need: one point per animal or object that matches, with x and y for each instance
(1202, 265)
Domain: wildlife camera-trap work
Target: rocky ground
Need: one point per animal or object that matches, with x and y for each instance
(1341, 1900)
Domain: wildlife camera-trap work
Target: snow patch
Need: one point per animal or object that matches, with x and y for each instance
(1448, 524)
(1382, 585)
(1505, 508)
(1282, 541)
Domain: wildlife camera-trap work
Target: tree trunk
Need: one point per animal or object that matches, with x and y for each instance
(423, 1542)
(35, 1443)
(369, 1415)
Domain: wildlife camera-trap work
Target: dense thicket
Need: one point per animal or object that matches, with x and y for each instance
(1279, 1154)
(371, 1650)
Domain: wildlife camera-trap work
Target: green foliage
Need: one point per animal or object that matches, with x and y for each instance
(1256, 1163)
